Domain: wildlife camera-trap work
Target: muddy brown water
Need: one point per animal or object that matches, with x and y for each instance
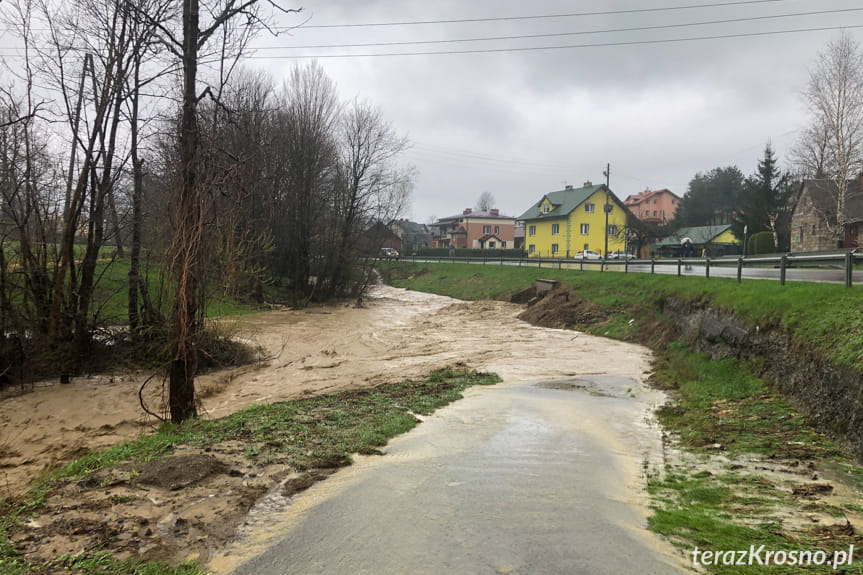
(398, 334)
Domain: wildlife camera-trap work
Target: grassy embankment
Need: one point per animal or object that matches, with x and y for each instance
(720, 408)
(321, 432)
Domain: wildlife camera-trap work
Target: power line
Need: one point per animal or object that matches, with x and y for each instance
(511, 18)
(541, 48)
(562, 34)
(475, 156)
(562, 46)
(537, 16)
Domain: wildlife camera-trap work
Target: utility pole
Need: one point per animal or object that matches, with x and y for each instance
(607, 174)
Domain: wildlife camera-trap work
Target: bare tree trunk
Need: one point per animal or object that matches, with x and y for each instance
(185, 260)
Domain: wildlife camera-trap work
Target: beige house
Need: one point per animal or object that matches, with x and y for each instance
(475, 229)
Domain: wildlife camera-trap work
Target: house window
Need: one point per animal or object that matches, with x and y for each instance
(800, 235)
(491, 244)
(654, 202)
(546, 208)
(672, 201)
(555, 229)
(612, 230)
(589, 208)
(531, 231)
(654, 213)
(486, 229)
(503, 244)
(497, 229)
(585, 229)
(553, 249)
(531, 249)
(586, 247)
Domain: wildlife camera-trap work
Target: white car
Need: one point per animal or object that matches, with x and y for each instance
(618, 255)
(588, 255)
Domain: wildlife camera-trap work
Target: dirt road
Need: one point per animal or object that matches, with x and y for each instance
(398, 335)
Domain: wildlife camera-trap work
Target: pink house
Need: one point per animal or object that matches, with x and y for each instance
(657, 206)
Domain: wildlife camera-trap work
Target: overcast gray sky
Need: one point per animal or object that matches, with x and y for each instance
(523, 123)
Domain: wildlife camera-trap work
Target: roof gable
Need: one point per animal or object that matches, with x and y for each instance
(823, 195)
(565, 201)
(698, 235)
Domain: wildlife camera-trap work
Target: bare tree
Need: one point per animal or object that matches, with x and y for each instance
(485, 202)
(186, 249)
(810, 156)
(835, 97)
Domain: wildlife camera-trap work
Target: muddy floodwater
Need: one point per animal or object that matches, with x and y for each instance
(561, 443)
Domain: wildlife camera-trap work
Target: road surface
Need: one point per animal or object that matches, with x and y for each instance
(792, 274)
(517, 478)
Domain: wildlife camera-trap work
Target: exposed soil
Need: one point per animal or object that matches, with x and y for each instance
(559, 309)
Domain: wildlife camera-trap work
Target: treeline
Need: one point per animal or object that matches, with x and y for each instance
(131, 139)
(829, 148)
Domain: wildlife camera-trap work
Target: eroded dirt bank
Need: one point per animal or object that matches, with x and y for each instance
(398, 335)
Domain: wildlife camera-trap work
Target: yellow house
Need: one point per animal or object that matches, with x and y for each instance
(563, 223)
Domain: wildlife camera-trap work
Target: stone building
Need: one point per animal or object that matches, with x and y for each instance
(813, 222)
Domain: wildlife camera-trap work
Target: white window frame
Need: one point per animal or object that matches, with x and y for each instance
(554, 248)
(531, 231)
(585, 229)
(531, 249)
(555, 229)
(612, 229)
(486, 229)
(589, 208)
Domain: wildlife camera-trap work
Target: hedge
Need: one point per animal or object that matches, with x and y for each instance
(761, 243)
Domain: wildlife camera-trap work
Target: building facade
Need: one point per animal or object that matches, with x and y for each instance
(656, 206)
(471, 229)
(568, 221)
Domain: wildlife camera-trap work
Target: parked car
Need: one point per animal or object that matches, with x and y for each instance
(588, 255)
(619, 255)
(389, 254)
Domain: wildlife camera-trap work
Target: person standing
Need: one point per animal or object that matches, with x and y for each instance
(687, 251)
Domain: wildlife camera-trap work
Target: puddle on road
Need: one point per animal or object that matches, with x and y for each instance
(539, 431)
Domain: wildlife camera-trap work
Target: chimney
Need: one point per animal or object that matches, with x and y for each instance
(466, 211)
(494, 212)
(568, 186)
(588, 183)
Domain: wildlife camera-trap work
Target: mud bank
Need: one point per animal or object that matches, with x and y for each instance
(830, 396)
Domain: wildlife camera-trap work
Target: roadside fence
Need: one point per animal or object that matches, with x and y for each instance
(813, 266)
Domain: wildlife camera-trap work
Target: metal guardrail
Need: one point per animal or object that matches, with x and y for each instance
(837, 259)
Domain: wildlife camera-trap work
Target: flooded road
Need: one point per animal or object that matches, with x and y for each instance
(517, 478)
(539, 474)
(542, 473)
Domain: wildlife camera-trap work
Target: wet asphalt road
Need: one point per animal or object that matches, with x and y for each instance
(523, 478)
(696, 268)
